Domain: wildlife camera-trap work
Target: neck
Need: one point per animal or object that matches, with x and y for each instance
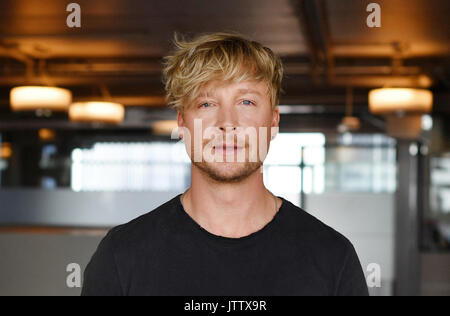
(231, 210)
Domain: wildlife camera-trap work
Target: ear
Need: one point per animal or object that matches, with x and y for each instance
(275, 121)
(275, 117)
(180, 121)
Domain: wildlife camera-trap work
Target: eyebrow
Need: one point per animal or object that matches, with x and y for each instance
(249, 91)
(211, 94)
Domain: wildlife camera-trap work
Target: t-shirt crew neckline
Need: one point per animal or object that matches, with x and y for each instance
(266, 230)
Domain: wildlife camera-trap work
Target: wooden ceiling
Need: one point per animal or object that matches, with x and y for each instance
(325, 44)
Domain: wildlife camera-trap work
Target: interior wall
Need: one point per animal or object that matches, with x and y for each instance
(367, 220)
(35, 264)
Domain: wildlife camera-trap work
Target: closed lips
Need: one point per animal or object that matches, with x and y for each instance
(229, 147)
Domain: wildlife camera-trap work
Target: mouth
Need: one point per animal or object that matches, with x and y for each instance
(228, 149)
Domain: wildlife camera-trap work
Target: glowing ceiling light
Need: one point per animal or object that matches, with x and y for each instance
(165, 127)
(427, 122)
(106, 112)
(400, 100)
(5, 151)
(30, 98)
(46, 134)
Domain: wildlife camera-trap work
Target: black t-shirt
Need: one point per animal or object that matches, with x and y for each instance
(165, 252)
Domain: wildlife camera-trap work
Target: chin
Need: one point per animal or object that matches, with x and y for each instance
(229, 172)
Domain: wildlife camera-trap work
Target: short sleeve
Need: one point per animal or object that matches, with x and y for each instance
(101, 275)
(351, 280)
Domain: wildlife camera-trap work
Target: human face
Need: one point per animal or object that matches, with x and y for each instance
(241, 119)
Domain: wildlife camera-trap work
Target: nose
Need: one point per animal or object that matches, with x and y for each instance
(224, 128)
(227, 118)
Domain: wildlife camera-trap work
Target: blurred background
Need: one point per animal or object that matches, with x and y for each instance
(364, 141)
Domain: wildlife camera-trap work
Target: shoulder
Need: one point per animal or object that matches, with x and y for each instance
(326, 249)
(300, 226)
(122, 249)
(145, 228)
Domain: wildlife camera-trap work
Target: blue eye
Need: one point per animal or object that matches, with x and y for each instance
(247, 102)
(205, 105)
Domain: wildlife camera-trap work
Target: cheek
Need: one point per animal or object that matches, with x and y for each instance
(201, 133)
(265, 130)
(254, 118)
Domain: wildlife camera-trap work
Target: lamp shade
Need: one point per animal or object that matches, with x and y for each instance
(406, 127)
(106, 112)
(392, 100)
(46, 134)
(165, 127)
(5, 151)
(30, 98)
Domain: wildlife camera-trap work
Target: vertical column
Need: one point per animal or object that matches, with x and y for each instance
(1, 161)
(302, 178)
(407, 218)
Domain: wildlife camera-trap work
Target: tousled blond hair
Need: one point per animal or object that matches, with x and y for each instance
(218, 56)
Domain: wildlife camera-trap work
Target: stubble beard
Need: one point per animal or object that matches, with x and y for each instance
(228, 172)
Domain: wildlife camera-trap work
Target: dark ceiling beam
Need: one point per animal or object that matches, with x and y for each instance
(86, 70)
(35, 124)
(307, 34)
(81, 80)
(314, 28)
(143, 101)
(133, 66)
(357, 76)
(16, 54)
(321, 98)
(318, 11)
(372, 81)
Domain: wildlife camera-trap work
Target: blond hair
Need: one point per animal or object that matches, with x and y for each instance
(218, 56)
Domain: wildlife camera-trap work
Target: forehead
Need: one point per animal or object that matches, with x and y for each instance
(212, 88)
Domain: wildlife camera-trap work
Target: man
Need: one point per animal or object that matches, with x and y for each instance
(227, 234)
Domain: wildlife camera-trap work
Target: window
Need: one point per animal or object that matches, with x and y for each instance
(437, 219)
(295, 163)
(302, 163)
(155, 166)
